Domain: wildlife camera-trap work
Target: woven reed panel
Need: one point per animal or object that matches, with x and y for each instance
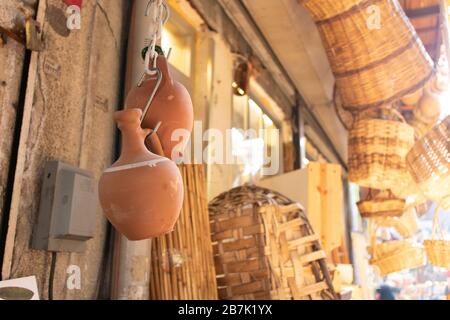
(374, 52)
(264, 248)
(182, 266)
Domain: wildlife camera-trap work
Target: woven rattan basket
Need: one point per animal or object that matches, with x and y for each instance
(376, 153)
(393, 256)
(438, 250)
(406, 257)
(429, 163)
(264, 248)
(383, 204)
(406, 225)
(375, 61)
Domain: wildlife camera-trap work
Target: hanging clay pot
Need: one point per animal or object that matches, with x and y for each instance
(172, 106)
(141, 193)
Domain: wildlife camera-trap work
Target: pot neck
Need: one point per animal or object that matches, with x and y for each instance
(132, 143)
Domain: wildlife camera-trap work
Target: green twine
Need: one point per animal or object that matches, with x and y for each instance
(158, 49)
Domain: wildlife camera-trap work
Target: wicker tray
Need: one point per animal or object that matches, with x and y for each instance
(377, 150)
(429, 163)
(373, 64)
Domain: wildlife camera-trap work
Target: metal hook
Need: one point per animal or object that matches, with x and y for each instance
(147, 9)
(152, 95)
(165, 7)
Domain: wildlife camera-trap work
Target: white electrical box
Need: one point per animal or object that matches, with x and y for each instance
(67, 211)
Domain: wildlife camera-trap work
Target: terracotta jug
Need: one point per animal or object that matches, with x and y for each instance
(141, 193)
(172, 106)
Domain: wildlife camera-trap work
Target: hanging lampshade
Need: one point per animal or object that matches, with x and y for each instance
(374, 52)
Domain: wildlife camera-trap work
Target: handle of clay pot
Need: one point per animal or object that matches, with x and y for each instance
(153, 143)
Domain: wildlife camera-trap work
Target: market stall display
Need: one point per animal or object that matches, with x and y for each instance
(264, 248)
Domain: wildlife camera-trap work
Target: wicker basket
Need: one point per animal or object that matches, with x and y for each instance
(438, 250)
(377, 150)
(429, 163)
(407, 257)
(373, 63)
(384, 204)
(406, 225)
(393, 256)
(265, 248)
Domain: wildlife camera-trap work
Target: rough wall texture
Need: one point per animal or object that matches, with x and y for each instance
(77, 90)
(11, 64)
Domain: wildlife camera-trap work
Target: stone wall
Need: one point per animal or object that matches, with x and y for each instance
(78, 87)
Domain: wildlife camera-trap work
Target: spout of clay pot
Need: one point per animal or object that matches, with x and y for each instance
(131, 115)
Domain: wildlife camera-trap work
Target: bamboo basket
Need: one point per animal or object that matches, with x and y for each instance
(375, 61)
(394, 256)
(438, 250)
(182, 265)
(384, 204)
(407, 257)
(429, 163)
(264, 248)
(377, 150)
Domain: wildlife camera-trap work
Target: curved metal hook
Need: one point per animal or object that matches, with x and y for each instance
(147, 9)
(165, 7)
